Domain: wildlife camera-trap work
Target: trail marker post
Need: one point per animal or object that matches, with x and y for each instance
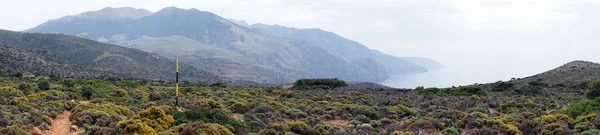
(176, 83)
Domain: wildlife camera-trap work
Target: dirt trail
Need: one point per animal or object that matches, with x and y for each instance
(62, 126)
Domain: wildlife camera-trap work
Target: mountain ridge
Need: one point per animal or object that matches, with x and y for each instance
(269, 58)
(96, 56)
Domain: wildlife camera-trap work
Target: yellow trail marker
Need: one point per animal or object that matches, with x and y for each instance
(176, 83)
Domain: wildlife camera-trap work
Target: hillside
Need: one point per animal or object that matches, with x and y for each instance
(574, 72)
(243, 53)
(40, 62)
(92, 55)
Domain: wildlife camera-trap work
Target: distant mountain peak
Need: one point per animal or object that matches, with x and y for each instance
(239, 22)
(110, 13)
(175, 10)
(262, 25)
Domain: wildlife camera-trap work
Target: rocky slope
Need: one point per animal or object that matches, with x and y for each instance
(55, 53)
(574, 72)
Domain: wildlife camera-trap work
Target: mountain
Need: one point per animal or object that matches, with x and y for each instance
(349, 50)
(258, 57)
(56, 52)
(425, 62)
(239, 22)
(574, 72)
(396, 65)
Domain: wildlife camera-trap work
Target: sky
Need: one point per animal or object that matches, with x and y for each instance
(509, 37)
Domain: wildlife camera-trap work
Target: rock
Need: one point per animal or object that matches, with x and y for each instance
(365, 125)
(46, 126)
(73, 128)
(36, 131)
(351, 125)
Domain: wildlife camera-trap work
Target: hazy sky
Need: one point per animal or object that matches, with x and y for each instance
(527, 36)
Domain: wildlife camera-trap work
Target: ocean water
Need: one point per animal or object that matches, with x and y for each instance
(448, 77)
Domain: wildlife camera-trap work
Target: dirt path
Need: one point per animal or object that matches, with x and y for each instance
(62, 126)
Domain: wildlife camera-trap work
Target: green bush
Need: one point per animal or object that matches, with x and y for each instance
(200, 128)
(13, 130)
(126, 84)
(593, 90)
(502, 86)
(10, 92)
(323, 83)
(100, 115)
(582, 107)
(156, 118)
(428, 91)
(450, 131)
(44, 85)
(219, 116)
(134, 126)
(219, 85)
(467, 91)
(400, 133)
(296, 127)
(99, 130)
(295, 113)
(591, 132)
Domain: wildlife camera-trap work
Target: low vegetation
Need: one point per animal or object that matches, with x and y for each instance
(310, 107)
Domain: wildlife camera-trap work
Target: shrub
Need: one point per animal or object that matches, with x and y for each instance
(556, 128)
(296, 127)
(508, 128)
(156, 118)
(100, 115)
(502, 86)
(401, 110)
(552, 118)
(528, 89)
(484, 131)
(26, 87)
(531, 127)
(295, 113)
(118, 93)
(68, 83)
(134, 126)
(363, 118)
(10, 92)
(99, 130)
(219, 85)
(203, 129)
(400, 133)
(323, 83)
(591, 132)
(238, 107)
(276, 105)
(582, 107)
(13, 130)
(126, 84)
(583, 126)
(467, 91)
(428, 91)
(219, 116)
(593, 90)
(450, 131)
(44, 85)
